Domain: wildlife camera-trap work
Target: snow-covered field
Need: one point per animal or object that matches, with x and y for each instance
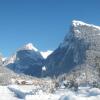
(30, 92)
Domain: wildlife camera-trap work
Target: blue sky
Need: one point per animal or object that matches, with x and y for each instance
(42, 22)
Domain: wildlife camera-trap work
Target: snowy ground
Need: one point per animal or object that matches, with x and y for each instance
(5, 94)
(26, 92)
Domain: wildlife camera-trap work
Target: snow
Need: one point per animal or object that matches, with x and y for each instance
(84, 93)
(42, 97)
(10, 60)
(26, 92)
(6, 94)
(76, 23)
(45, 54)
(3, 59)
(30, 46)
(43, 68)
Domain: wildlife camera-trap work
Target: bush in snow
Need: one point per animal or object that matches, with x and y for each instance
(71, 85)
(96, 84)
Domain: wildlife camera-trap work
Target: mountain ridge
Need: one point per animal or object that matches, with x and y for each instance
(80, 46)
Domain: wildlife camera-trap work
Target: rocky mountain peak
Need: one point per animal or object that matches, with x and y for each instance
(81, 45)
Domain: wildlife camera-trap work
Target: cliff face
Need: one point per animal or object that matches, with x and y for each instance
(80, 46)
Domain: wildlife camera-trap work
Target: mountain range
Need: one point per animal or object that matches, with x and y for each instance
(81, 46)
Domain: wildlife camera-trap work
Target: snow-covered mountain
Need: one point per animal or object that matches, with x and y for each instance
(80, 46)
(29, 46)
(27, 60)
